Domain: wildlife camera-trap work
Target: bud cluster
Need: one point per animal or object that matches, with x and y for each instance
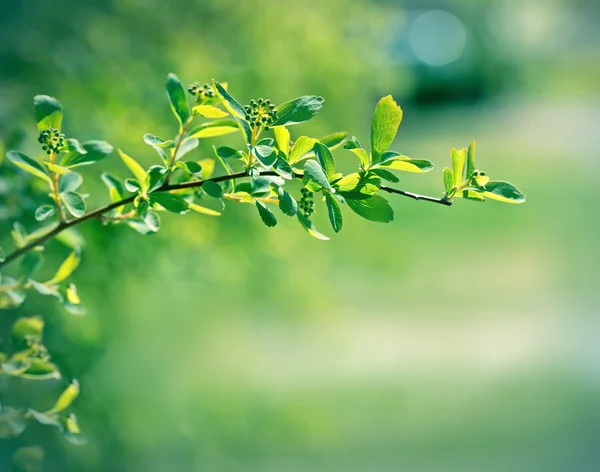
(51, 140)
(201, 92)
(261, 113)
(307, 204)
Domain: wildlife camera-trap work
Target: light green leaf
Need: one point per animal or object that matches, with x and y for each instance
(170, 202)
(155, 141)
(230, 103)
(325, 159)
(44, 212)
(405, 164)
(67, 268)
(334, 140)
(95, 151)
(314, 172)
(458, 165)
(48, 112)
(375, 208)
(29, 459)
(471, 159)
(472, 195)
(152, 220)
(213, 189)
(363, 156)
(302, 146)
(298, 110)
(133, 185)
(190, 166)
(287, 203)
(214, 128)
(41, 370)
(448, 180)
(136, 169)
(66, 398)
(335, 212)
(74, 203)
(55, 168)
(28, 164)
(155, 178)
(116, 190)
(310, 227)
(73, 145)
(203, 210)
(282, 137)
(504, 192)
(208, 111)
(266, 215)
(365, 184)
(32, 327)
(386, 121)
(69, 182)
(177, 99)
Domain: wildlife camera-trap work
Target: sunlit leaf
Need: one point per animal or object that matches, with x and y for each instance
(298, 110)
(386, 120)
(504, 192)
(28, 164)
(177, 99)
(48, 112)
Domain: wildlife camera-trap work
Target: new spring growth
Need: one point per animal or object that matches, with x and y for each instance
(51, 140)
(261, 112)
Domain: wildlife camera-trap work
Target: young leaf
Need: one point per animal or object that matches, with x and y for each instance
(136, 169)
(208, 111)
(32, 327)
(471, 159)
(152, 220)
(266, 215)
(334, 140)
(56, 169)
(94, 152)
(386, 121)
(44, 212)
(212, 189)
(177, 98)
(458, 165)
(448, 180)
(504, 192)
(69, 182)
(302, 146)
(298, 110)
(363, 156)
(472, 195)
(365, 184)
(48, 112)
(116, 190)
(314, 172)
(214, 128)
(203, 210)
(405, 164)
(28, 164)
(230, 103)
(287, 203)
(66, 398)
(170, 202)
(73, 145)
(66, 268)
(74, 203)
(282, 137)
(325, 159)
(335, 212)
(374, 208)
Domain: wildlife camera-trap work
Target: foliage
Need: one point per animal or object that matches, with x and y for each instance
(256, 175)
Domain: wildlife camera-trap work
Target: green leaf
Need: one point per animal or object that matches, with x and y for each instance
(365, 184)
(375, 208)
(67, 268)
(133, 185)
(314, 172)
(44, 212)
(283, 168)
(28, 164)
(56, 168)
(504, 192)
(187, 146)
(72, 432)
(48, 112)
(152, 220)
(32, 327)
(282, 137)
(386, 175)
(155, 178)
(405, 164)
(69, 182)
(334, 140)
(30, 264)
(265, 154)
(458, 165)
(214, 128)
(155, 141)
(472, 195)
(298, 110)
(170, 202)
(386, 120)
(2, 255)
(115, 186)
(363, 156)
(45, 419)
(208, 111)
(71, 301)
(226, 152)
(448, 180)
(203, 210)
(74, 203)
(471, 159)
(190, 166)
(136, 169)
(212, 189)
(325, 159)
(41, 370)
(230, 103)
(73, 145)
(287, 203)
(177, 98)
(310, 228)
(335, 212)
(266, 215)
(302, 146)
(66, 398)
(95, 151)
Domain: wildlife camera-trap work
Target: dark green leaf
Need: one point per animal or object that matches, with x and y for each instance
(287, 203)
(74, 203)
(155, 178)
(133, 185)
(298, 110)
(386, 175)
(265, 214)
(95, 151)
(28, 164)
(115, 186)
(226, 152)
(230, 103)
(283, 169)
(335, 212)
(375, 208)
(69, 182)
(48, 112)
(44, 212)
(190, 166)
(314, 172)
(325, 159)
(386, 119)
(212, 189)
(504, 192)
(265, 154)
(29, 459)
(73, 145)
(170, 202)
(471, 159)
(177, 99)
(31, 262)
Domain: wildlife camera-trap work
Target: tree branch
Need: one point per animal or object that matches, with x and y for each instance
(62, 226)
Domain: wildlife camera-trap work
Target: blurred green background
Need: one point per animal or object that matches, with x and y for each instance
(453, 339)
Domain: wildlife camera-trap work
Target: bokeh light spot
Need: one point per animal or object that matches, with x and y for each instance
(438, 38)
